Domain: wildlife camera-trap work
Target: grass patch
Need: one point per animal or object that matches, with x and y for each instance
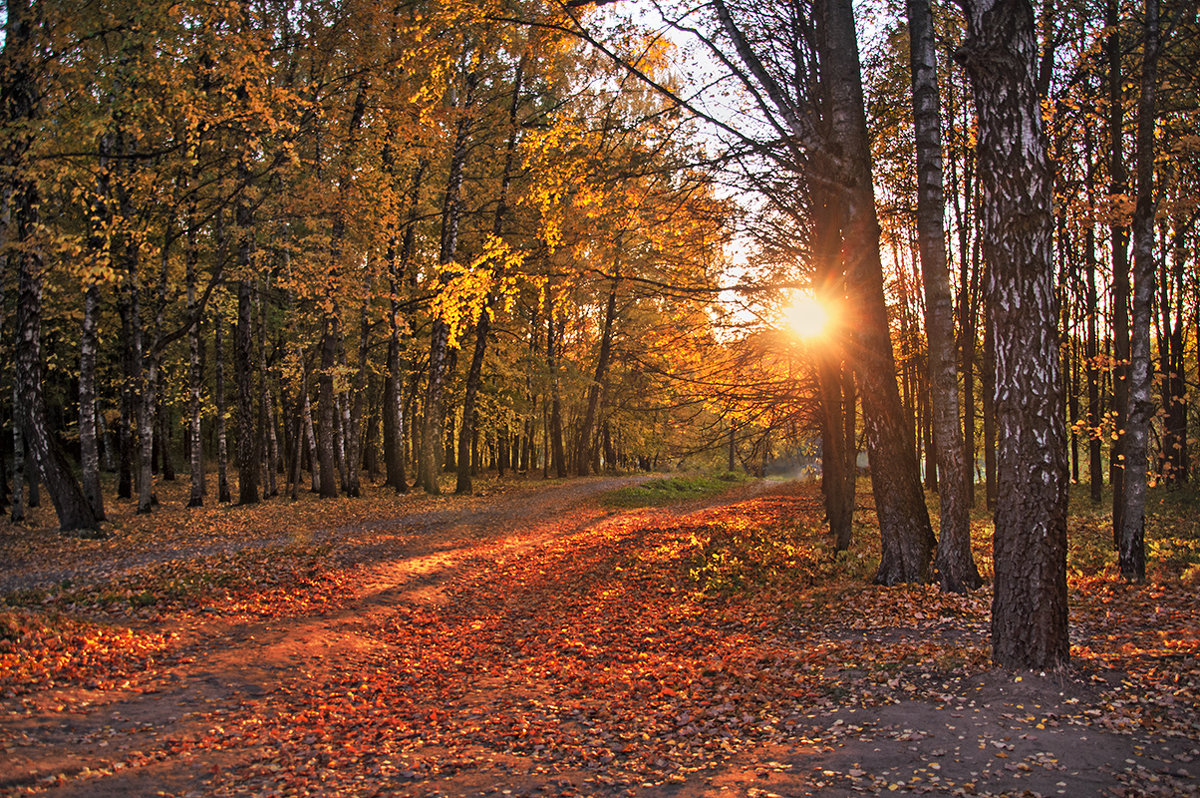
(669, 490)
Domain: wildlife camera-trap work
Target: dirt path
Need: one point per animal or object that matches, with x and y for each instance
(528, 644)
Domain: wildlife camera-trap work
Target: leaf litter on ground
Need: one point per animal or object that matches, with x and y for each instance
(638, 651)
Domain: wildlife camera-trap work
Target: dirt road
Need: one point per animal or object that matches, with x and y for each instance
(535, 643)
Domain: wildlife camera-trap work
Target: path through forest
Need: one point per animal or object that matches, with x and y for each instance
(537, 643)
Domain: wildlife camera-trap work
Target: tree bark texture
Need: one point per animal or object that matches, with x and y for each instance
(1029, 607)
(73, 509)
(1131, 552)
(955, 563)
(19, 95)
(906, 535)
(837, 466)
(553, 346)
(195, 376)
(1120, 267)
(89, 451)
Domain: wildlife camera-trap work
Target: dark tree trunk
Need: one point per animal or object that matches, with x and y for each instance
(432, 431)
(907, 539)
(1174, 459)
(553, 334)
(354, 445)
(1131, 551)
(955, 563)
(73, 509)
(195, 373)
(584, 450)
(837, 466)
(327, 405)
(399, 256)
(88, 449)
(393, 416)
(1120, 269)
(1091, 344)
(125, 421)
(164, 438)
(249, 457)
(469, 412)
(219, 397)
(1029, 607)
(470, 420)
(266, 406)
(19, 98)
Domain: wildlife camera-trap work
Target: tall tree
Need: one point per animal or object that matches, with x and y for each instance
(955, 563)
(20, 95)
(1029, 606)
(1131, 550)
(906, 535)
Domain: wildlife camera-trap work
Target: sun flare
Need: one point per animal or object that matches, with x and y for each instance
(807, 317)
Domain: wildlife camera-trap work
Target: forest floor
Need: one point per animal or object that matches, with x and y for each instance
(534, 640)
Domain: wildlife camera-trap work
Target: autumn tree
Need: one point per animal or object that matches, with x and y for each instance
(1029, 609)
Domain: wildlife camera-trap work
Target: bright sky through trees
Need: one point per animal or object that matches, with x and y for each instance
(807, 317)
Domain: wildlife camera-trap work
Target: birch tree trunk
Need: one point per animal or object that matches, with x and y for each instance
(89, 452)
(955, 563)
(195, 374)
(1131, 552)
(270, 446)
(1029, 606)
(71, 506)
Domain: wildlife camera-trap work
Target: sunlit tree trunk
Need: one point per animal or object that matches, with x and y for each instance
(1131, 553)
(906, 536)
(1029, 607)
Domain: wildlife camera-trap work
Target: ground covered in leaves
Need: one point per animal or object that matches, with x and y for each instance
(546, 639)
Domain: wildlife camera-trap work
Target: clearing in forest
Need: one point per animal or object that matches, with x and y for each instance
(540, 640)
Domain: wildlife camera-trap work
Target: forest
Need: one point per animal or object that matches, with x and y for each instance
(263, 254)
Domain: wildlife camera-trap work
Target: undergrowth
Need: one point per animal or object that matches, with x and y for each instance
(669, 490)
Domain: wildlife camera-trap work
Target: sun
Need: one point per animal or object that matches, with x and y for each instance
(807, 317)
